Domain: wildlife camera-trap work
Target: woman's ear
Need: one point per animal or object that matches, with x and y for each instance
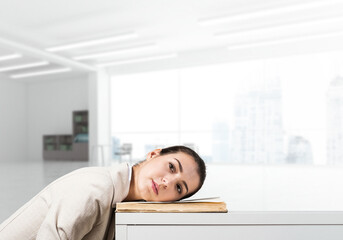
(153, 154)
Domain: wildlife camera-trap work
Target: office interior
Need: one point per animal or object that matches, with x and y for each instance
(256, 87)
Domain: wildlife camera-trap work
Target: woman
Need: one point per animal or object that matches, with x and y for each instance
(80, 205)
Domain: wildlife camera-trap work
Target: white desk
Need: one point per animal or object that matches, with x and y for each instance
(232, 225)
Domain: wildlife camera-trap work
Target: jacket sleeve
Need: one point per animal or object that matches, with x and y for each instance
(78, 204)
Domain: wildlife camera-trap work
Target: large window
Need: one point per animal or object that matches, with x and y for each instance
(285, 110)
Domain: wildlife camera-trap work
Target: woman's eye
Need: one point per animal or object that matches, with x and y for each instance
(171, 167)
(179, 188)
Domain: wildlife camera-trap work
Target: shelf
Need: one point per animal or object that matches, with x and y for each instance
(80, 122)
(57, 142)
(63, 147)
(50, 142)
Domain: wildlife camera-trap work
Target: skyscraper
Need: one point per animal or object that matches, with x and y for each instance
(220, 142)
(258, 133)
(335, 121)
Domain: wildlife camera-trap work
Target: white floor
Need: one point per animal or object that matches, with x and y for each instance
(244, 188)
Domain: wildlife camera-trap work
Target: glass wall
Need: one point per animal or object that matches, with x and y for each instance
(285, 110)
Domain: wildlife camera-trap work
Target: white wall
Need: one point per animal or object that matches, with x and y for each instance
(50, 107)
(13, 133)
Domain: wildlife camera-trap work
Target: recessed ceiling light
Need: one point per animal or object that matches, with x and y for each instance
(143, 47)
(134, 60)
(265, 12)
(8, 57)
(93, 42)
(23, 66)
(47, 72)
(278, 27)
(280, 41)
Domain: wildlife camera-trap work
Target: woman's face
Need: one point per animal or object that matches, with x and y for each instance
(168, 177)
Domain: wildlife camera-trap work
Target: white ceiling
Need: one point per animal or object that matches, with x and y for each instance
(168, 27)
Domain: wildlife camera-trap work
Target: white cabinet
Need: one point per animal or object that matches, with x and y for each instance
(232, 225)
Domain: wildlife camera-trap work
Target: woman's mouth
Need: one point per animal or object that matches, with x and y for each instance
(154, 187)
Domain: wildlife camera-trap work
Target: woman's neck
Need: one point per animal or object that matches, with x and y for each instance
(133, 191)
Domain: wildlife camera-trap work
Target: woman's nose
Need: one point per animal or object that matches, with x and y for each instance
(165, 182)
(168, 180)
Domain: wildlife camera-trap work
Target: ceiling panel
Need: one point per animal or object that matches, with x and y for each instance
(195, 31)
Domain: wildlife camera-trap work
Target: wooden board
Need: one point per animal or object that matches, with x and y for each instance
(187, 207)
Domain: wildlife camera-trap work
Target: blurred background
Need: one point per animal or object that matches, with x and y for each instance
(255, 87)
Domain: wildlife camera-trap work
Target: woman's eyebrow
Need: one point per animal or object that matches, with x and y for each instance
(180, 166)
(185, 186)
(181, 169)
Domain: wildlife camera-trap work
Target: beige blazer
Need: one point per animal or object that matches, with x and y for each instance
(78, 205)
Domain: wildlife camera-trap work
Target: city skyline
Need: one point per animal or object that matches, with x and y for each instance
(292, 115)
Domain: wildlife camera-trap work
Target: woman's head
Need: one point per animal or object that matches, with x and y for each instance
(201, 167)
(168, 174)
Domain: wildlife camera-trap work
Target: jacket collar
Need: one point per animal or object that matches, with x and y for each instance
(121, 181)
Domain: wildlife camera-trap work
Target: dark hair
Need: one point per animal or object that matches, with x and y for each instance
(201, 164)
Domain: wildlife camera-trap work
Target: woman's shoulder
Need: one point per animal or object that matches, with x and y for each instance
(99, 171)
(102, 177)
